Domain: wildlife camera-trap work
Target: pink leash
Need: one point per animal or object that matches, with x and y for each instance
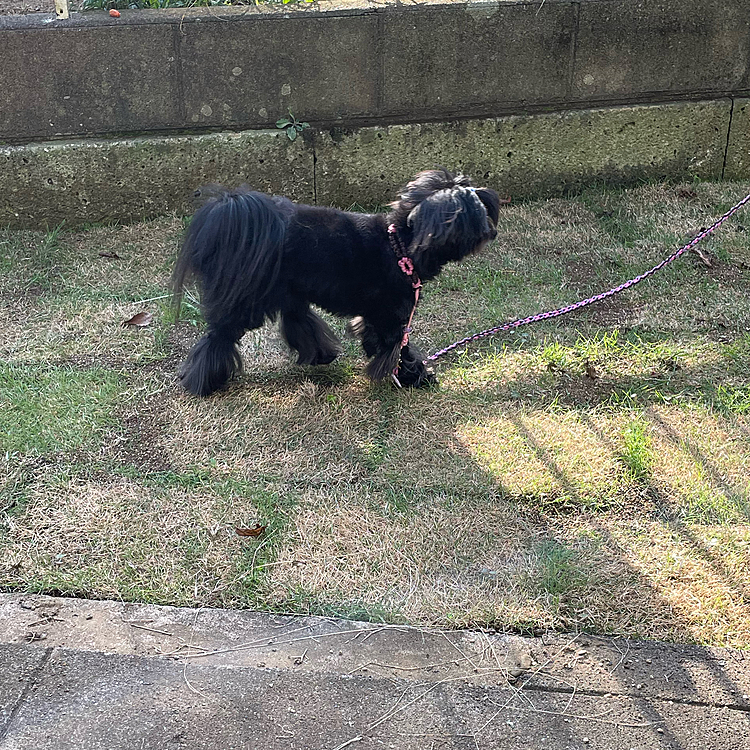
(597, 298)
(407, 267)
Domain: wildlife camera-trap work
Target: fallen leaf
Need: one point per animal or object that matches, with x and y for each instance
(255, 531)
(114, 256)
(139, 319)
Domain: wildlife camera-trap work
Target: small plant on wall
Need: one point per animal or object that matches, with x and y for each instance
(292, 126)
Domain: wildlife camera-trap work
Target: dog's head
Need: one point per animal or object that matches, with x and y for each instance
(444, 217)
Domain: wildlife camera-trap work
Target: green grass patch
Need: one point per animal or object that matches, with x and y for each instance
(735, 400)
(336, 604)
(558, 572)
(48, 410)
(637, 452)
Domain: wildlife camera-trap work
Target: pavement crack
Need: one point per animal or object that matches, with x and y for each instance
(609, 694)
(31, 681)
(729, 139)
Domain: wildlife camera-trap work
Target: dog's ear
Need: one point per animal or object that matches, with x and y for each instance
(491, 201)
(423, 185)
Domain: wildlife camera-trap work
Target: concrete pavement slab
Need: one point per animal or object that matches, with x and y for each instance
(95, 700)
(118, 675)
(239, 638)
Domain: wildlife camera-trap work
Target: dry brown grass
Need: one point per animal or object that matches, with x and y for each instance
(119, 538)
(699, 574)
(62, 299)
(521, 494)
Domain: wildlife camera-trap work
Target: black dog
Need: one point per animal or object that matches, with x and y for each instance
(258, 256)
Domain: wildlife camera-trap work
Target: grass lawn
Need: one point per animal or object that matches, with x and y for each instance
(591, 473)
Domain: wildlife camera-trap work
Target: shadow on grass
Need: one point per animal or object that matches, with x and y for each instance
(510, 496)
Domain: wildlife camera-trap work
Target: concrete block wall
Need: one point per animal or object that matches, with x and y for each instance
(531, 97)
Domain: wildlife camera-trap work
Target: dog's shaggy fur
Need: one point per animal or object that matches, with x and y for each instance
(257, 257)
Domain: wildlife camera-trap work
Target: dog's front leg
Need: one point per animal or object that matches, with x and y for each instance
(411, 369)
(383, 342)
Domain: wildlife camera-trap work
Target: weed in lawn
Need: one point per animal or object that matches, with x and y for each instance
(16, 472)
(556, 357)
(599, 346)
(709, 505)
(307, 602)
(637, 452)
(189, 311)
(734, 400)
(739, 349)
(557, 571)
(50, 243)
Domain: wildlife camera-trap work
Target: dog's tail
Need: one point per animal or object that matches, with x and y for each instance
(234, 249)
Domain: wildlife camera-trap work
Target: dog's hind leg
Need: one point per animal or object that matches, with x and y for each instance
(306, 333)
(212, 361)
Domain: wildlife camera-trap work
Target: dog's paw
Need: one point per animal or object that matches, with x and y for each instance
(427, 380)
(413, 376)
(323, 358)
